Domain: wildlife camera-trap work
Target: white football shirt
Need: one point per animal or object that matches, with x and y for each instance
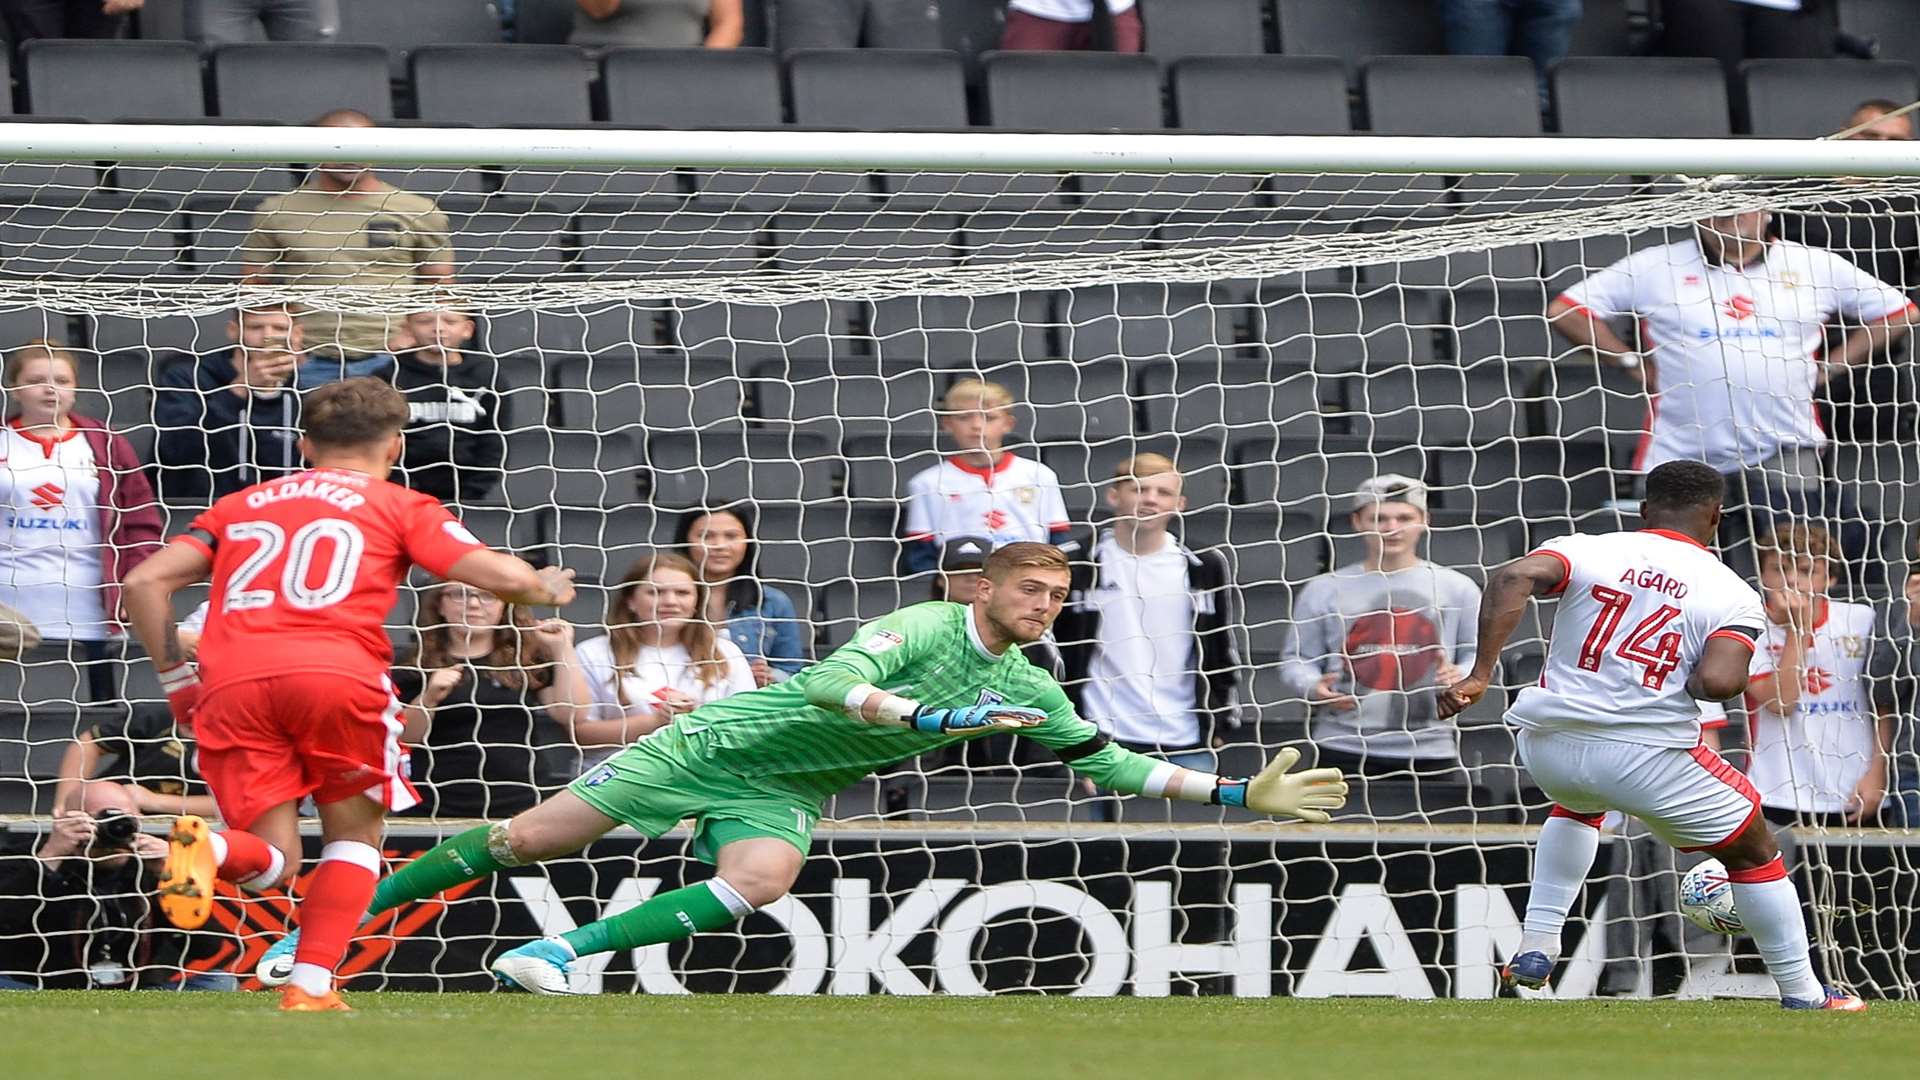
(1017, 499)
(654, 669)
(50, 565)
(1812, 759)
(1140, 678)
(1733, 352)
(1636, 611)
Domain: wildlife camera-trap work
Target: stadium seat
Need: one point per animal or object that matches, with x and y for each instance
(716, 89)
(1579, 401)
(877, 89)
(1143, 321)
(19, 325)
(838, 399)
(105, 81)
(109, 334)
(1180, 28)
(1641, 96)
(507, 246)
(197, 185)
(40, 241)
(957, 331)
(744, 334)
(1358, 29)
(1504, 325)
(1049, 91)
(889, 238)
(1378, 328)
(1260, 95)
(879, 466)
(403, 28)
(679, 244)
(646, 392)
(1890, 23)
(1434, 405)
(599, 546)
(1310, 477)
(493, 85)
(295, 82)
(1244, 399)
(1451, 95)
(722, 464)
(1805, 99)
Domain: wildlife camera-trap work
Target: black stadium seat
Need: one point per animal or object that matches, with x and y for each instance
(495, 85)
(1644, 96)
(1805, 99)
(1177, 28)
(1451, 95)
(1261, 95)
(295, 82)
(114, 80)
(404, 27)
(1072, 91)
(691, 88)
(877, 89)
(1356, 29)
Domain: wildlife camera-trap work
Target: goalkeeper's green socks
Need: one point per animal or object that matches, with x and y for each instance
(461, 858)
(667, 917)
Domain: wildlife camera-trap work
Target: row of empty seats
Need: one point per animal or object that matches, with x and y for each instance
(886, 90)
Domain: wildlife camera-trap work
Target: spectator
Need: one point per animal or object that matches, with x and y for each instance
(1373, 640)
(1147, 633)
(455, 450)
(659, 24)
(1740, 323)
(1080, 25)
(853, 24)
(30, 19)
(982, 489)
(1880, 235)
(478, 685)
(1893, 678)
(758, 617)
(1540, 30)
(1819, 749)
(659, 657)
(230, 419)
(76, 914)
(80, 513)
(227, 22)
(347, 227)
(138, 751)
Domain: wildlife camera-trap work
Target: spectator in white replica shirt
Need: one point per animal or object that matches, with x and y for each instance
(1734, 327)
(982, 489)
(1373, 641)
(1819, 748)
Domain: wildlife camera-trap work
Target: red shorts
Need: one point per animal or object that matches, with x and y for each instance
(267, 741)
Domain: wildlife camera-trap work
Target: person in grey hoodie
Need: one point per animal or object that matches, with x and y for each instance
(1372, 641)
(231, 418)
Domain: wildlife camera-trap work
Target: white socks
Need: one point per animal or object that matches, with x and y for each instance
(1770, 906)
(1561, 863)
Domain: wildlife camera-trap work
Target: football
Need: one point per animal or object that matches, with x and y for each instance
(1706, 899)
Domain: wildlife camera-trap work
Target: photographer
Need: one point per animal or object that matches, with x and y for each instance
(231, 418)
(75, 909)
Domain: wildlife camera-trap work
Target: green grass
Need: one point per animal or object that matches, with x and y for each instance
(214, 1036)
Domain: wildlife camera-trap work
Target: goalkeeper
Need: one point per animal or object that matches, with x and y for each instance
(753, 770)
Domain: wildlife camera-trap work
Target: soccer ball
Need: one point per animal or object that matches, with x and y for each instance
(1706, 899)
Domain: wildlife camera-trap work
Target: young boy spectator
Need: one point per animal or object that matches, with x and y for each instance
(981, 489)
(1373, 640)
(347, 227)
(454, 447)
(1819, 744)
(1147, 633)
(231, 419)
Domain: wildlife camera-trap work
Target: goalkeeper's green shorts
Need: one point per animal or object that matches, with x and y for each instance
(663, 779)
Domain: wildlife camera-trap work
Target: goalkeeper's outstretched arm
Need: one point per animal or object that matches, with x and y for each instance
(1306, 795)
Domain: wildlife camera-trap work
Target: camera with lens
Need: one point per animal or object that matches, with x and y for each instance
(114, 828)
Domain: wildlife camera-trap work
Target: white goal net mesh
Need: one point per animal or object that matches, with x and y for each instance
(650, 346)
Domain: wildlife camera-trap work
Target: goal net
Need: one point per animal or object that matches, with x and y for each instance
(682, 329)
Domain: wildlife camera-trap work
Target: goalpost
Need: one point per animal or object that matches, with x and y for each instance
(688, 320)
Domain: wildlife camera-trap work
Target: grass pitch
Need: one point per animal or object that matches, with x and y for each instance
(215, 1036)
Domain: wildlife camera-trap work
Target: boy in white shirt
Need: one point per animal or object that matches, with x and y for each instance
(982, 489)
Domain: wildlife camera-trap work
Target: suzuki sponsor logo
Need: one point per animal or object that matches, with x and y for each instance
(48, 496)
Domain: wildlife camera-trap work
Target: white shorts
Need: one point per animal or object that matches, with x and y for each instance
(1692, 799)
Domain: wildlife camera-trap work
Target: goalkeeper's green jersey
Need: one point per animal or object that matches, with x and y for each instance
(798, 735)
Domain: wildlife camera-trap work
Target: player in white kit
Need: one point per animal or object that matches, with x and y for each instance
(1648, 623)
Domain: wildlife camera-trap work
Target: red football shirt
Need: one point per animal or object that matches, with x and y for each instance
(305, 569)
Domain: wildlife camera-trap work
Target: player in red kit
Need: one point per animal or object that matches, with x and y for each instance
(291, 696)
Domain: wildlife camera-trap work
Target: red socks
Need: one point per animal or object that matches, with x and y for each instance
(246, 860)
(335, 903)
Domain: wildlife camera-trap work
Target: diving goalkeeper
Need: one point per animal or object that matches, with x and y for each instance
(753, 770)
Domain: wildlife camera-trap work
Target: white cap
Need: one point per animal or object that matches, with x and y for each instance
(1391, 487)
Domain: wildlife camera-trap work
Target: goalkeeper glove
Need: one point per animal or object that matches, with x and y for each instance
(974, 718)
(182, 684)
(1306, 795)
